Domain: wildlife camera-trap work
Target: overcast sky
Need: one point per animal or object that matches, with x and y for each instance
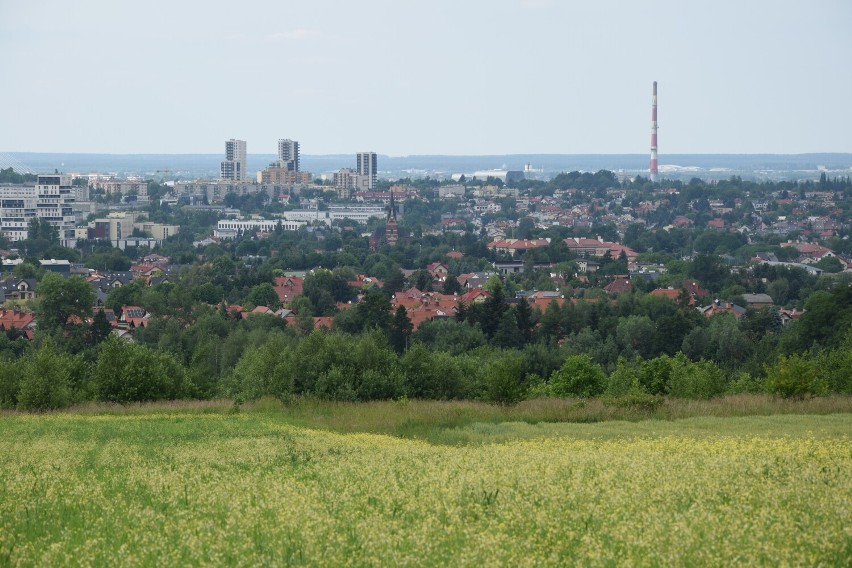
(437, 77)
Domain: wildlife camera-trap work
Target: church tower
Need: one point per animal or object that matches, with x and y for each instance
(391, 227)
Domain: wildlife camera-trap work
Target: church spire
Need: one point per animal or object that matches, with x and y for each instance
(391, 228)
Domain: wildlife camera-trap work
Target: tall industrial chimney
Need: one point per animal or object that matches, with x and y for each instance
(654, 134)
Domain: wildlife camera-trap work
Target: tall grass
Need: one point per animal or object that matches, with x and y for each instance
(431, 419)
(441, 421)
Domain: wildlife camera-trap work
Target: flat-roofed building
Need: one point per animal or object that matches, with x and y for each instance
(51, 200)
(234, 166)
(284, 176)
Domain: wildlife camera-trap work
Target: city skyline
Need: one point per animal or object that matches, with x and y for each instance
(481, 78)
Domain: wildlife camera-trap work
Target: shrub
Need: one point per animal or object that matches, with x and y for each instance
(262, 371)
(634, 398)
(377, 375)
(432, 375)
(834, 367)
(45, 379)
(337, 383)
(793, 377)
(578, 376)
(699, 380)
(622, 379)
(128, 372)
(746, 383)
(317, 354)
(654, 374)
(10, 383)
(504, 382)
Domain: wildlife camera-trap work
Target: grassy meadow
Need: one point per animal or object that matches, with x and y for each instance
(423, 484)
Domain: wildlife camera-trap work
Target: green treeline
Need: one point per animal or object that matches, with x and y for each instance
(448, 359)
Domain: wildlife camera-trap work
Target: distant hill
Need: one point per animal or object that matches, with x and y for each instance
(187, 166)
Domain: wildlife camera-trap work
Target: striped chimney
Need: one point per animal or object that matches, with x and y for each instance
(654, 134)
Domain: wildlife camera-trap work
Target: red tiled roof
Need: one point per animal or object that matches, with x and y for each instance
(672, 294)
(473, 294)
(541, 303)
(518, 244)
(695, 289)
(288, 287)
(15, 319)
(620, 285)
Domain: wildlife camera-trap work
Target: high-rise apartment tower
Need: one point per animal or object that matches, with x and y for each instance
(234, 165)
(367, 167)
(288, 155)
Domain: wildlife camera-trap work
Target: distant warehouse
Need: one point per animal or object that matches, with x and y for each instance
(508, 177)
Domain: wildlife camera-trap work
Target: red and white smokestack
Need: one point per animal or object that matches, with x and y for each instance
(654, 134)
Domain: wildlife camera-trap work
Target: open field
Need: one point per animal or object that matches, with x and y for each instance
(201, 486)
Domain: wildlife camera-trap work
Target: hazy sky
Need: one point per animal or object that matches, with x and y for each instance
(438, 77)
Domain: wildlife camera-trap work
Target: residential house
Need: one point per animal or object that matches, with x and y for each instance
(757, 300)
(587, 265)
(474, 296)
(811, 253)
(473, 279)
(23, 322)
(717, 224)
(789, 315)
(438, 270)
(721, 307)
(18, 288)
(516, 246)
(621, 285)
(695, 289)
(584, 247)
(542, 299)
(288, 287)
(133, 317)
(674, 294)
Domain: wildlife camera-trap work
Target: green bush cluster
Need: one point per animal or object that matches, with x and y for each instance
(47, 378)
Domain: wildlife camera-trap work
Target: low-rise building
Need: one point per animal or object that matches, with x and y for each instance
(231, 228)
(123, 229)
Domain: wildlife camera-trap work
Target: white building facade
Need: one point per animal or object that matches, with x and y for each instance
(51, 200)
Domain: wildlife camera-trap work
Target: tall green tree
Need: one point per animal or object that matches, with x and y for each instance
(524, 320)
(99, 329)
(264, 295)
(60, 298)
(400, 330)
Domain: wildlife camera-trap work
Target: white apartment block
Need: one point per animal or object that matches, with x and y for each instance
(234, 166)
(51, 200)
(124, 187)
(214, 191)
(347, 181)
